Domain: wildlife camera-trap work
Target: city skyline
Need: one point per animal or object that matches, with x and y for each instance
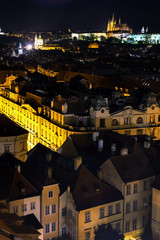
(51, 15)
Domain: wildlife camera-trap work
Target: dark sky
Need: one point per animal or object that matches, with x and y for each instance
(50, 15)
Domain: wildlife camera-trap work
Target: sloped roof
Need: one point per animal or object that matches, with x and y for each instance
(134, 166)
(88, 191)
(40, 158)
(14, 185)
(83, 145)
(9, 128)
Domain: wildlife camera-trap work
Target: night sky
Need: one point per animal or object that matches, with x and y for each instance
(51, 15)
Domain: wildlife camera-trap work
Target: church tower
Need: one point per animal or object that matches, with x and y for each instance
(20, 49)
(111, 24)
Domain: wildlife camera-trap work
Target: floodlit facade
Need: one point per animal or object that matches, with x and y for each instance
(51, 127)
(156, 209)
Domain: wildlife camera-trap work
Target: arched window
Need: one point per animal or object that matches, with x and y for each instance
(114, 122)
(139, 120)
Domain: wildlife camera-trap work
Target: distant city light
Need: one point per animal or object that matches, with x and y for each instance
(29, 47)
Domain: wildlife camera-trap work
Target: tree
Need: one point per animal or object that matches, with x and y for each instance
(106, 232)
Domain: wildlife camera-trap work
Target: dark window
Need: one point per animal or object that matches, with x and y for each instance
(102, 122)
(139, 120)
(114, 122)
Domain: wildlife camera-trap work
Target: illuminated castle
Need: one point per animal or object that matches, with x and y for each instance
(38, 42)
(115, 29)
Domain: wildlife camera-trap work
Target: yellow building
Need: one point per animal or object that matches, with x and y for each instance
(87, 203)
(13, 138)
(156, 209)
(39, 44)
(117, 30)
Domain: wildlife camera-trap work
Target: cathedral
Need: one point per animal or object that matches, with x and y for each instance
(115, 29)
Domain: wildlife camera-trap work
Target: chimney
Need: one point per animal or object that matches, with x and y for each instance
(147, 144)
(100, 145)
(77, 162)
(113, 148)
(48, 156)
(95, 136)
(50, 172)
(99, 174)
(124, 151)
(19, 168)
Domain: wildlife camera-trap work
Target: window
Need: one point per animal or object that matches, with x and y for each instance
(128, 207)
(134, 224)
(118, 227)
(144, 202)
(87, 235)
(102, 122)
(33, 205)
(110, 210)
(127, 120)
(63, 231)
(53, 208)
(127, 226)
(63, 212)
(6, 148)
(118, 208)
(135, 188)
(144, 185)
(24, 207)
(139, 131)
(135, 206)
(47, 210)
(50, 194)
(101, 212)
(15, 209)
(87, 216)
(139, 120)
(114, 122)
(47, 228)
(53, 226)
(128, 190)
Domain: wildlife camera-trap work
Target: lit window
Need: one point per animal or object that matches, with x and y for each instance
(33, 205)
(128, 190)
(53, 226)
(101, 212)
(110, 210)
(47, 210)
(87, 216)
(53, 208)
(50, 194)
